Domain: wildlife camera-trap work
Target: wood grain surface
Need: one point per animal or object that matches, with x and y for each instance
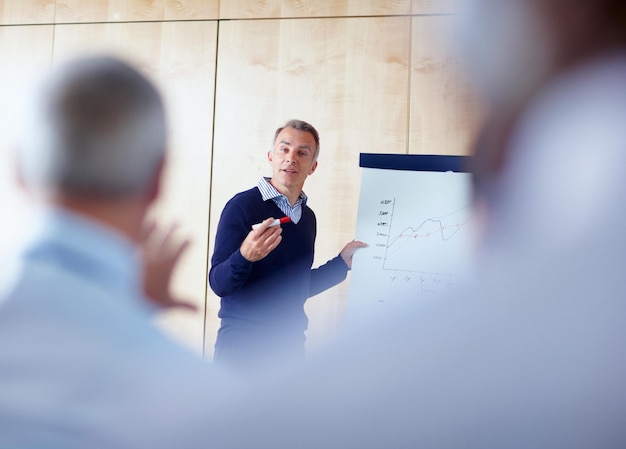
(372, 76)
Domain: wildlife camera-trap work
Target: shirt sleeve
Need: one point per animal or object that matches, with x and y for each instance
(229, 269)
(328, 275)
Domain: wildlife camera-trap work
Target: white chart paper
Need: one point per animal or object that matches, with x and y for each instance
(417, 226)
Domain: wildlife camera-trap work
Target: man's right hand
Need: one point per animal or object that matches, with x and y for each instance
(261, 241)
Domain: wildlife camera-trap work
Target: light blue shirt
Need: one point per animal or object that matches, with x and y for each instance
(81, 364)
(268, 191)
(90, 251)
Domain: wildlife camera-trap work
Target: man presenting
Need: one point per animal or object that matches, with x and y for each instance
(263, 275)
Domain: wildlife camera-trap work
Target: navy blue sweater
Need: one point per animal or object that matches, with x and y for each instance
(268, 294)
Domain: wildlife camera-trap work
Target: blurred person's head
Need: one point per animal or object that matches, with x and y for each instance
(552, 74)
(96, 135)
(511, 47)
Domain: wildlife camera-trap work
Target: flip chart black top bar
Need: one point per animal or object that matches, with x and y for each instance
(415, 162)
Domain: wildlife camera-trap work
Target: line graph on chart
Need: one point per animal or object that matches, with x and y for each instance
(434, 244)
(419, 234)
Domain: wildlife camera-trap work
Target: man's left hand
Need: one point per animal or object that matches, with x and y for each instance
(348, 251)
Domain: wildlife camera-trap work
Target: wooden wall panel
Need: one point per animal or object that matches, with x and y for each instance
(26, 11)
(369, 84)
(349, 78)
(444, 111)
(25, 55)
(263, 9)
(186, 79)
(436, 6)
(80, 11)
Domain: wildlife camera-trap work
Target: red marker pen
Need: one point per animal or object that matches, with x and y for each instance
(274, 223)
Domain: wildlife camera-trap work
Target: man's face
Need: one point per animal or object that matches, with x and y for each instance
(292, 159)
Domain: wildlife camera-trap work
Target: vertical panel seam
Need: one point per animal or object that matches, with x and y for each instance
(409, 85)
(208, 230)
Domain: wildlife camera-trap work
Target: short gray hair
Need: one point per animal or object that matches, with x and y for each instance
(301, 125)
(97, 129)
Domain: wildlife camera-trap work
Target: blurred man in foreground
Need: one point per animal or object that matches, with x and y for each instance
(81, 365)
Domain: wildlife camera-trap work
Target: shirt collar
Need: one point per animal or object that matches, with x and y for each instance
(269, 192)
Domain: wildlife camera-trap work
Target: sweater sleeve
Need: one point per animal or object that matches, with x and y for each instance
(229, 269)
(328, 275)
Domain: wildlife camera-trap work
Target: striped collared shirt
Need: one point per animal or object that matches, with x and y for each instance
(269, 192)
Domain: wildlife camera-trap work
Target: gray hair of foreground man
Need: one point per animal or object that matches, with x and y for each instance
(97, 129)
(301, 125)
